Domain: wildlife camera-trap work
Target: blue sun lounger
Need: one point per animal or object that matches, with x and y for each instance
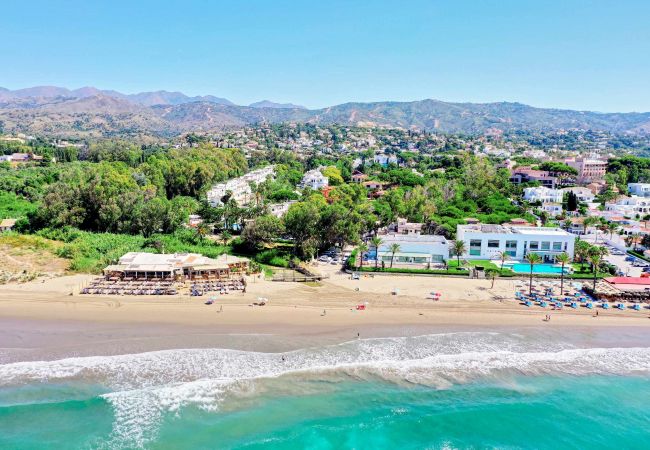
(605, 305)
(620, 306)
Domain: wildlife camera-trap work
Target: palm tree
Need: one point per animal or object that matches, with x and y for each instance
(394, 248)
(225, 237)
(587, 222)
(459, 250)
(563, 258)
(202, 230)
(635, 240)
(582, 251)
(567, 224)
(492, 273)
(503, 256)
(595, 258)
(363, 248)
(532, 258)
(612, 228)
(376, 241)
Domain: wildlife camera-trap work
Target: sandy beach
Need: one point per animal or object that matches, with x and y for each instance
(43, 317)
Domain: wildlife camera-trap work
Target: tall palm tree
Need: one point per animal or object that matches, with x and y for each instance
(503, 256)
(459, 250)
(532, 258)
(587, 222)
(376, 241)
(635, 240)
(363, 248)
(612, 228)
(563, 258)
(394, 248)
(595, 258)
(567, 224)
(582, 251)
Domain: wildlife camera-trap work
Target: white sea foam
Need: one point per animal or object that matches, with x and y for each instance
(143, 387)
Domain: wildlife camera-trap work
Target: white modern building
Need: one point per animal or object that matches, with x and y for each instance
(314, 179)
(384, 160)
(553, 209)
(280, 209)
(629, 206)
(639, 189)
(485, 241)
(583, 194)
(239, 188)
(414, 249)
(543, 195)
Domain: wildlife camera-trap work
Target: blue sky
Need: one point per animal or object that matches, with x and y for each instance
(575, 54)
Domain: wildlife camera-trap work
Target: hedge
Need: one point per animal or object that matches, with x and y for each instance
(638, 255)
(414, 271)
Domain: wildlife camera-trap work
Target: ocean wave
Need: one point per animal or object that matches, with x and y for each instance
(143, 387)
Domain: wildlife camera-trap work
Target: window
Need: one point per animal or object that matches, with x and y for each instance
(546, 245)
(437, 258)
(475, 247)
(534, 245)
(511, 245)
(493, 244)
(557, 246)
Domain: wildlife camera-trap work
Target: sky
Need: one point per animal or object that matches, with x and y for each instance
(575, 54)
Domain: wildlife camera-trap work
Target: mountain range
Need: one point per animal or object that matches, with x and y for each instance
(90, 112)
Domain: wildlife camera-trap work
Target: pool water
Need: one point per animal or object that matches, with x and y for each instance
(537, 268)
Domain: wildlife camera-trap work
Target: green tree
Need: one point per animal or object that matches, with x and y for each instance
(262, 230)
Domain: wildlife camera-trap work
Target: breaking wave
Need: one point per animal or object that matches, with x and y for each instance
(141, 388)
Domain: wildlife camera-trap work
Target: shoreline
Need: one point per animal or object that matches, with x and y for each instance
(41, 320)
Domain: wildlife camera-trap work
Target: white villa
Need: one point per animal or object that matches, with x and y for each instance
(384, 160)
(280, 209)
(239, 187)
(583, 194)
(629, 206)
(485, 241)
(639, 189)
(543, 195)
(417, 249)
(314, 179)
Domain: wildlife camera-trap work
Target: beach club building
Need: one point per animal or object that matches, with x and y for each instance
(414, 249)
(175, 266)
(486, 241)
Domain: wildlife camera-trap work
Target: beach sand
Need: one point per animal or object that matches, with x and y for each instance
(48, 320)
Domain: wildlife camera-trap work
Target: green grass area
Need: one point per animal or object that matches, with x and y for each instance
(14, 207)
(91, 252)
(486, 264)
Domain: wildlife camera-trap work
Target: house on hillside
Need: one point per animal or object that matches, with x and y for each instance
(314, 179)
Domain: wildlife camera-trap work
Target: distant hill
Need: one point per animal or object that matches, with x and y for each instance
(90, 112)
(270, 104)
(142, 98)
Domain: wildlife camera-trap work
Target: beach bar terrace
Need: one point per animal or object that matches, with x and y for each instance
(176, 266)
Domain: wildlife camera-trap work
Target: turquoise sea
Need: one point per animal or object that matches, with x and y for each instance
(451, 390)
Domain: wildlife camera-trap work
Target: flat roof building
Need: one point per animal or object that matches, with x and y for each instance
(486, 241)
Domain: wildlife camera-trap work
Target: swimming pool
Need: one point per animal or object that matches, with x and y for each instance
(537, 268)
